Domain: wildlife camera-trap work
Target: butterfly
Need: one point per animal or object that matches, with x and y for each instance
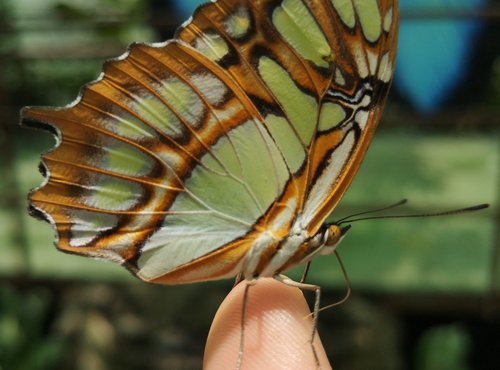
(222, 151)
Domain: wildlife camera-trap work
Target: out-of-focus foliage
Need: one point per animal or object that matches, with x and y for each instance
(63, 44)
(494, 97)
(25, 339)
(444, 348)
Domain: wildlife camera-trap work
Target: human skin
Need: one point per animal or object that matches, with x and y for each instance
(277, 331)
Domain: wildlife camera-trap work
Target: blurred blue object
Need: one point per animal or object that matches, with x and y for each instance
(434, 54)
(186, 7)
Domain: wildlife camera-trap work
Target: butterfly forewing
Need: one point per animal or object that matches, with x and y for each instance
(183, 155)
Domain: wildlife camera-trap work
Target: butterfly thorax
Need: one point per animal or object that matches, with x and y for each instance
(270, 256)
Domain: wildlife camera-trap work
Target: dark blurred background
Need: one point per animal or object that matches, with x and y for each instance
(426, 291)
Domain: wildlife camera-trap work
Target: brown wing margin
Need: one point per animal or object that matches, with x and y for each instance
(384, 48)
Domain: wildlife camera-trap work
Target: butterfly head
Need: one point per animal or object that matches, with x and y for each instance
(332, 236)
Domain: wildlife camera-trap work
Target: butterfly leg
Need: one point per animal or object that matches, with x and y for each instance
(237, 279)
(317, 291)
(347, 282)
(306, 272)
(243, 319)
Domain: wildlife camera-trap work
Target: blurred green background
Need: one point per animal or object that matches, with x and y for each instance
(426, 291)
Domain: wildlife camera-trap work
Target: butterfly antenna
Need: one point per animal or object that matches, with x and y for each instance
(421, 215)
(395, 205)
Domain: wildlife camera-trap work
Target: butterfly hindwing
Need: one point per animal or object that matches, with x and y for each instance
(182, 154)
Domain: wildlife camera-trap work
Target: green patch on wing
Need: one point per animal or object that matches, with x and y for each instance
(156, 113)
(126, 159)
(184, 100)
(331, 115)
(213, 46)
(370, 18)
(287, 141)
(299, 107)
(114, 194)
(238, 23)
(247, 176)
(345, 11)
(339, 77)
(297, 25)
(388, 20)
(131, 127)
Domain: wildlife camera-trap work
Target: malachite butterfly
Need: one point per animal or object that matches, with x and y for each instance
(220, 152)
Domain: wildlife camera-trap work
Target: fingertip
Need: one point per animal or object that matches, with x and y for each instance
(277, 330)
